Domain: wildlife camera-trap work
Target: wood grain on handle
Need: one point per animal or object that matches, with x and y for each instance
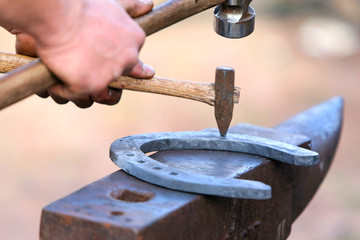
(21, 83)
(35, 77)
(173, 11)
(9, 61)
(202, 92)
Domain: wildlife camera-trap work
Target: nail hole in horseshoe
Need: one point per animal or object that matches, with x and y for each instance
(116, 213)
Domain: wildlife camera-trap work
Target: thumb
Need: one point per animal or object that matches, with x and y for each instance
(136, 8)
(142, 70)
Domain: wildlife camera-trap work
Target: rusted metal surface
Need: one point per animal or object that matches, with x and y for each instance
(224, 103)
(122, 207)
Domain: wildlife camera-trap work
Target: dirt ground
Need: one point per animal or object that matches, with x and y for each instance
(288, 64)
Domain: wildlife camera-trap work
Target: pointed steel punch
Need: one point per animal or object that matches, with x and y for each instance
(224, 103)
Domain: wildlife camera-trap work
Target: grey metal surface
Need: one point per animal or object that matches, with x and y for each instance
(234, 21)
(234, 2)
(128, 154)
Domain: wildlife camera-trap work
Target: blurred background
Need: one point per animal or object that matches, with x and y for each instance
(301, 53)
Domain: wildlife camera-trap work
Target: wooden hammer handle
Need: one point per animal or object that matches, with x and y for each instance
(171, 12)
(20, 84)
(10, 61)
(35, 77)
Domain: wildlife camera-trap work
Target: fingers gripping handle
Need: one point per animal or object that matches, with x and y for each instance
(35, 77)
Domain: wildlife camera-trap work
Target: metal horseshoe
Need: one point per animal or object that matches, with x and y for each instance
(129, 154)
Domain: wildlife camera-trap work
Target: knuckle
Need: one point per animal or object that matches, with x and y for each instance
(138, 34)
(93, 83)
(83, 104)
(130, 57)
(83, 101)
(107, 97)
(99, 85)
(141, 36)
(131, 8)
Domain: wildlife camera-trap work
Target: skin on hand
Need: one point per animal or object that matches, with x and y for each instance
(103, 46)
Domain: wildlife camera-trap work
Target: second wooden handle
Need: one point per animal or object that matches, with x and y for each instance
(35, 77)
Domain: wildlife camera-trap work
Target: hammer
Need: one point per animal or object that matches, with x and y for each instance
(233, 19)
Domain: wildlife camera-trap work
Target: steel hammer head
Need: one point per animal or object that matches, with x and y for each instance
(234, 19)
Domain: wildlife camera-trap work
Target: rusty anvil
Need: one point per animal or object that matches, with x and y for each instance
(233, 19)
(120, 206)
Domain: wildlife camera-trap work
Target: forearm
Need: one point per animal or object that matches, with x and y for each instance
(43, 19)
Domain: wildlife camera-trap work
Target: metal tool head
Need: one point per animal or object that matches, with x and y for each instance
(224, 98)
(234, 19)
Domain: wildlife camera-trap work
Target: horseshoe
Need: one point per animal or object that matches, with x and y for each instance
(129, 154)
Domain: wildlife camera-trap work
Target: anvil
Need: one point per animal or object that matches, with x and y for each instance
(120, 206)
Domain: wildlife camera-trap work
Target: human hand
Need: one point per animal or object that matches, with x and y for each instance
(83, 83)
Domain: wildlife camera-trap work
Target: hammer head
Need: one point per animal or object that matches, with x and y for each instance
(224, 98)
(234, 19)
